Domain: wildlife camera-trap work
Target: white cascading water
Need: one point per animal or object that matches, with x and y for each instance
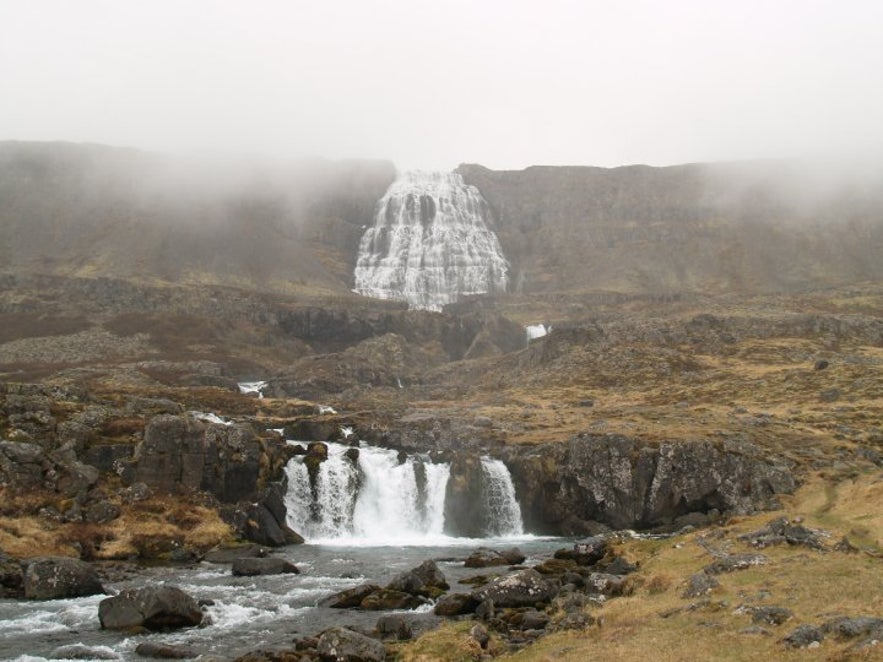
(380, 500)
(502, 506)
(430, 244)
(376, 497)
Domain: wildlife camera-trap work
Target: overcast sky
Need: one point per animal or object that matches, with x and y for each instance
(506, 83)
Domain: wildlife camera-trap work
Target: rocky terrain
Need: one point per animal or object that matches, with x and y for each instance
(714, 361)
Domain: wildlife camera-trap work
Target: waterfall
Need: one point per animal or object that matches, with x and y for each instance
(504, 513)
(430, 244)
(376, 496)
(382, 498)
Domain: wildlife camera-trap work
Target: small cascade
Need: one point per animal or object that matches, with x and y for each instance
(504, 513)
(381, 497)
(430, 244)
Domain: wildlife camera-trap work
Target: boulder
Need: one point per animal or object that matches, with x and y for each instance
(426, 580)
(351, 597)
(769, 615)
(698, 585)
(345, 645)
(455, 604)
(384, 599)
(401, 627)
(151, 607)
(164, 651)
(11, 577)
(524, 588)
(252, 566)
(588, 552)
(53, 578)
(485, 557)
(804, 636)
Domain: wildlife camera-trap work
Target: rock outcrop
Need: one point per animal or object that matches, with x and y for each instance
(624, 483)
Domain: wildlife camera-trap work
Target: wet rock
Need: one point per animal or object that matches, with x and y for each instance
(555, 566)
(152, 607)
(699, 584)
(254, 566)
(484, 557)
(350, 598)
(805, 636)
(393, 626)
(455, 604)
(732, 562)
(426, 580)
(821, 364)
(231, 554)
(524, 588)
(83, 652)
(164, 651)
(385, 599)
(345, 645)
(52, 578)
(11, 577)
(770, 615)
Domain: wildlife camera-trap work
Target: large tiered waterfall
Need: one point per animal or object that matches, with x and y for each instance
(430, 243)
(380, 497)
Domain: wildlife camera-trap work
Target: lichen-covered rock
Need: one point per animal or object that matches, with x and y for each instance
(731, 562)
(151, 607)
(524, 588)
(586, 552)
(52, 578)
(345, 645)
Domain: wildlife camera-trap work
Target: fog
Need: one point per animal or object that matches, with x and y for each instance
(430, 85)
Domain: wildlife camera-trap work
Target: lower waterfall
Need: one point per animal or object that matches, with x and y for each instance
(502, 507)
(382, 497)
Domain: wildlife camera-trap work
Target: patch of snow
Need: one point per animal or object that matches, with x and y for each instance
(209, 418)
(535, 331)
(252, 387)
(325, 409)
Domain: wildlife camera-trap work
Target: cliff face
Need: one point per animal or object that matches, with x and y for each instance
(754, 227)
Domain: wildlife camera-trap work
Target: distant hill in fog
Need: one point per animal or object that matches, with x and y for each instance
(88, 210)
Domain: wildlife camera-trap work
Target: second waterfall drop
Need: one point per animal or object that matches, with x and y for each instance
(431, 243)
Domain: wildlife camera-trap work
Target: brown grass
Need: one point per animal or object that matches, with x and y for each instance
(654, 622)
